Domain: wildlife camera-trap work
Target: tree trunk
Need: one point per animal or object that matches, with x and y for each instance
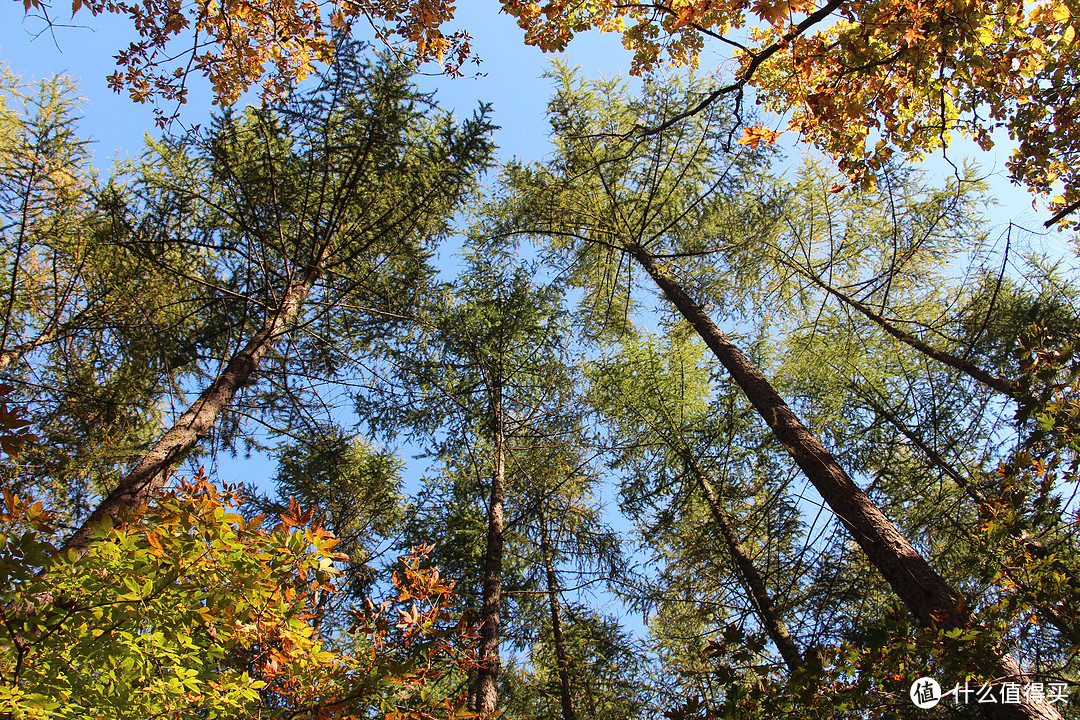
(471, 673)
(44, 338)
(1032, 547)
(767, 614)
(488, 672)
(561, 658)
(145, 481)
(926, 594)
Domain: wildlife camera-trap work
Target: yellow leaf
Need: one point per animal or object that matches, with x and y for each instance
(757, 134)
(1061, 13)
(778, 11)
(683, 17)
(1068, 35)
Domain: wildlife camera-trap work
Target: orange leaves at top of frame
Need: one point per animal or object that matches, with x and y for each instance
(905, 76)
(862, 81)
(867, 81)
(274, 43)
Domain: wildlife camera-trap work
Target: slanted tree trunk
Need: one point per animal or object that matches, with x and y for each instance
(488, 672)
(926, 594)
(766, 611)
(144, 482)
(44, 338)
(561, 658)
(1033, 547)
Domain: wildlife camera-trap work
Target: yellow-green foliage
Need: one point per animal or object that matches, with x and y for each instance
(186, 609)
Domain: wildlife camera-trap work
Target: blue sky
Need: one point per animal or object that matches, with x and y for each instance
(510, 75)
(511, 79)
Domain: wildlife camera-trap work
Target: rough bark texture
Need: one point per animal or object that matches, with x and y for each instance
(488, 672)
(561, 657)
(143, 483)
(767, 614)
(1032, 547)
(925, 593)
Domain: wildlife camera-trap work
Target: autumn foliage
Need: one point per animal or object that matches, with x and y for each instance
(273, 43)
(865, 82)
(187, 609)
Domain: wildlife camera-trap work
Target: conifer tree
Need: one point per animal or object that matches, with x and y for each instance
(312, 209)
(675, 205)
(481, 376)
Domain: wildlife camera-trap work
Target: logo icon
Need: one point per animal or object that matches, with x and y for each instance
(925, 693)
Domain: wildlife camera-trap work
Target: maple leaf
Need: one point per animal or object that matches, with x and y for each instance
(779, 11)
(687, 14)
(757, 134)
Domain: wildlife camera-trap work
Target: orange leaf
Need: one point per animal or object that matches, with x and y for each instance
(757, 134)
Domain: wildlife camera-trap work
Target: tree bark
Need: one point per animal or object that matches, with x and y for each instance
(44, 338)
(1032, 547)
(561, 659)
(488, 671)
(926, 594)
(144, 482)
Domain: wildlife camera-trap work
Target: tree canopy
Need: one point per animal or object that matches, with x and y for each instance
(690, 432)
(862, 82)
